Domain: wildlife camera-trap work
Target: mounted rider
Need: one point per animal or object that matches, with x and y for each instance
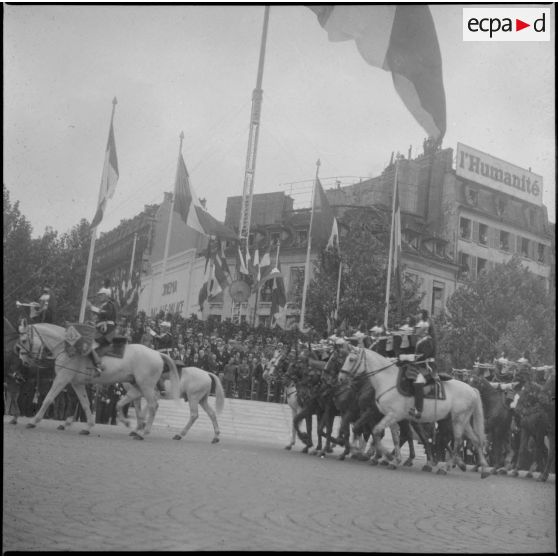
(423, 366)
(163, 342)
(105, 323)
(43, 311)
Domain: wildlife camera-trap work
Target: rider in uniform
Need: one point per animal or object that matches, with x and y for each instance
(418, 373)
(105, 323)
(163, 342)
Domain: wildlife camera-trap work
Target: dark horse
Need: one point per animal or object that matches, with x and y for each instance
(497, 421)
(536, 420)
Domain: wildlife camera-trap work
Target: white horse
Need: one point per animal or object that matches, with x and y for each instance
(462, 403)
(139, 364)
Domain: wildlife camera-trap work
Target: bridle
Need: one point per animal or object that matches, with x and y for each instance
(352, 372)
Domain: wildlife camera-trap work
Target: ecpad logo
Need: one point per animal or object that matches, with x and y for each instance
(506, 24)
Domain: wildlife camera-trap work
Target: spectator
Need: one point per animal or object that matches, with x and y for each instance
(244, 380)
(13, 379)
(229, 377)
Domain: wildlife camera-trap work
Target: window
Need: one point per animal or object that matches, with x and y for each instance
(465, 264)
(524, 247)
(275, 238)
(265, 292)
(411, 238)
(302, 237)
(483, 234)
(541, 253)
(465, 228)
(296, 282)
(482, 265)
(440, 248)
(504, 241)
(438, 298)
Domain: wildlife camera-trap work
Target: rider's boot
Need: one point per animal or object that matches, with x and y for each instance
(416, 411)
(97, 363)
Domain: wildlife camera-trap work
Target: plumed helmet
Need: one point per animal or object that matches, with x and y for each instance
(104, 291)
(165, 324)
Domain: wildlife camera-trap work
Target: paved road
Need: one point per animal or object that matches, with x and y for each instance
(107, 492)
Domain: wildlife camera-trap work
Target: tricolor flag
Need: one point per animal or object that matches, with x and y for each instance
(400, 39)
(108, 179)
(187, 205)
(324, 230)
(278, 298)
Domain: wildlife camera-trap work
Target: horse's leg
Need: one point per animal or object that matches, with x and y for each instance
(211, 414)
(407, 435)
(294, 412)
(377, 433)
(193, 404)
(59, 383)
(151, 409)
(85, 405)
(477, 443)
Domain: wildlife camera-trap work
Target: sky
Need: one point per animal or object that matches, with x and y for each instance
(193, 69)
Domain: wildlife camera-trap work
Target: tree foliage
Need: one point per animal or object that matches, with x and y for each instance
(364, 257)
(29, 263)
(507, 308)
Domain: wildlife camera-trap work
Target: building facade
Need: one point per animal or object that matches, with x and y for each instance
(458, 218)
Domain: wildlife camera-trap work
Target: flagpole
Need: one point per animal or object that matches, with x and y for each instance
(307, 266)
(391, 238)
(338, 289)
(169, 228)
(92, 245)
(133, 255)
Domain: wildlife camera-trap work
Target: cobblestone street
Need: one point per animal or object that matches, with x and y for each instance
(107, 492)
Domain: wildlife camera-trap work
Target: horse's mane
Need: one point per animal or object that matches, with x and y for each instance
(8, 327)
(375, 360)
(50, 334)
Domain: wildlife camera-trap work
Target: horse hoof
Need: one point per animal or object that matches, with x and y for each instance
(374, 462)
(215, 440)
(502, 472)
(138, 437)
(408, 463)
(484, 475)
(514, 473)
(542, 478)
(329, 450)
(341, 457)
(391, 466)
(60, 427)
(494, 471)
(305, 450)
(427, 468)
(13, 421)
(462, 466)
(529, 475)
(289, 447)
(30, 425)
(133, 433)
(384, 463)
(177, 437)
(441, 472)
(84, 432)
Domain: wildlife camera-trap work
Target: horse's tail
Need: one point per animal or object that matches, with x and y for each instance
(219, 393)
(478, 417)
(173, 376)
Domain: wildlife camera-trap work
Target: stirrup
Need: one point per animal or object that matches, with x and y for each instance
(414, 413)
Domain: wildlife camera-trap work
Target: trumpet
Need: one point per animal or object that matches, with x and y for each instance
(29, 304)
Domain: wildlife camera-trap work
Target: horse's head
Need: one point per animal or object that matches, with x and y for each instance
(354, 363)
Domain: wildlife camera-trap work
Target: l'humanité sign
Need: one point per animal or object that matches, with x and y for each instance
(484, 169)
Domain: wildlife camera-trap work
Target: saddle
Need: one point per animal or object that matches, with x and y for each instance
(432, 390)
(116, 349)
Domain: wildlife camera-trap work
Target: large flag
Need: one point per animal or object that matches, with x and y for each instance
(187, 205)
(324, 230)
(108, 179)
(401, 39)
(211, 286)
(278, 298)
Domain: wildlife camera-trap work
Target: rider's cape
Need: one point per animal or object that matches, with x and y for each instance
(79, 339)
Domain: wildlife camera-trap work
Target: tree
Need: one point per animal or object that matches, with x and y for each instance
(506, 308)
(364, 251)
(19, 269)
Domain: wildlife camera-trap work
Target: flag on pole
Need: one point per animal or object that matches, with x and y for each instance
(324, 230)
(278, 297)
(187, 205)
(401, 39)
(109, 178)
(397, 243)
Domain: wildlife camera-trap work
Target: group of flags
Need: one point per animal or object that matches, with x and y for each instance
(397, 38)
